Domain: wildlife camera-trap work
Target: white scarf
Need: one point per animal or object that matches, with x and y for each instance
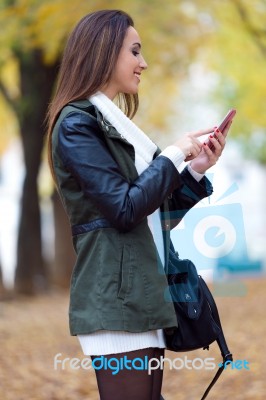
(144, 152)
(144, 147)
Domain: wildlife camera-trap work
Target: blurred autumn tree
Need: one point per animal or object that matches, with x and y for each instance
(21, 45)
(237, 51)
(32, 35)
(1, 281)
(222, 35)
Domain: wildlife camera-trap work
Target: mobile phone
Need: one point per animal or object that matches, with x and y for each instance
(229, 116)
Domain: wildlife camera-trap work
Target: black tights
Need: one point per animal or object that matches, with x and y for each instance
(130, 384)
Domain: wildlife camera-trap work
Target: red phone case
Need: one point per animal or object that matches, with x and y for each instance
(229, 116)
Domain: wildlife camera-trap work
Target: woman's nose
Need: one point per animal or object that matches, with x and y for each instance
(143, 63)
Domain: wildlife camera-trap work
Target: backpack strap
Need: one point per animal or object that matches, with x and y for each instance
(227, 356)
(217, 375)
(221, 339)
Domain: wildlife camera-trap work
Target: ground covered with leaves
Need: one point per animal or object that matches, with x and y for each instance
(34, 330)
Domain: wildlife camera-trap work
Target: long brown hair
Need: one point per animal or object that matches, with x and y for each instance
(88, 62)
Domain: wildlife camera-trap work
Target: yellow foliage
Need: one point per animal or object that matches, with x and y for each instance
(170, 39)
(8, 125)
(9, 75)
(174, 34)
(235, 54)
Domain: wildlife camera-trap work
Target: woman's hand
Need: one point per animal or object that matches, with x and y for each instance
(190, 145)
(211, 150)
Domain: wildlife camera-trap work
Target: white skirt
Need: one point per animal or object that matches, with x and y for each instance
(112, 342)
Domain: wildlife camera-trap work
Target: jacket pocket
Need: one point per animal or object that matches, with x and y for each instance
(125, 275)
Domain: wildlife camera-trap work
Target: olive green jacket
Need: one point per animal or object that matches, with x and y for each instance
(118, 282)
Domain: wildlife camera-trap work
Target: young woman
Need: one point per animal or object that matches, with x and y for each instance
(119, 192)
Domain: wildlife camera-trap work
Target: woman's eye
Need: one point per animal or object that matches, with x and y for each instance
(135, 53)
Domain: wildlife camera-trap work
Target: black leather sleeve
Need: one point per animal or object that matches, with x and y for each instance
(185, 197)
(83, 151)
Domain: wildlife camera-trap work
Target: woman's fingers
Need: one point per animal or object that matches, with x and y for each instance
(194, 150)
(206, 131)
(201, 132)
(191, 145)
(226, 129)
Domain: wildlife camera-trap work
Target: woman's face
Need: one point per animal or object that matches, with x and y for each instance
(129, 66)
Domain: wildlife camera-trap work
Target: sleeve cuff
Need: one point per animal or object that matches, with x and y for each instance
(196, 175)
(174, 154)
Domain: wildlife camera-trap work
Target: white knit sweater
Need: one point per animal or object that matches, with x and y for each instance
(113, 342)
